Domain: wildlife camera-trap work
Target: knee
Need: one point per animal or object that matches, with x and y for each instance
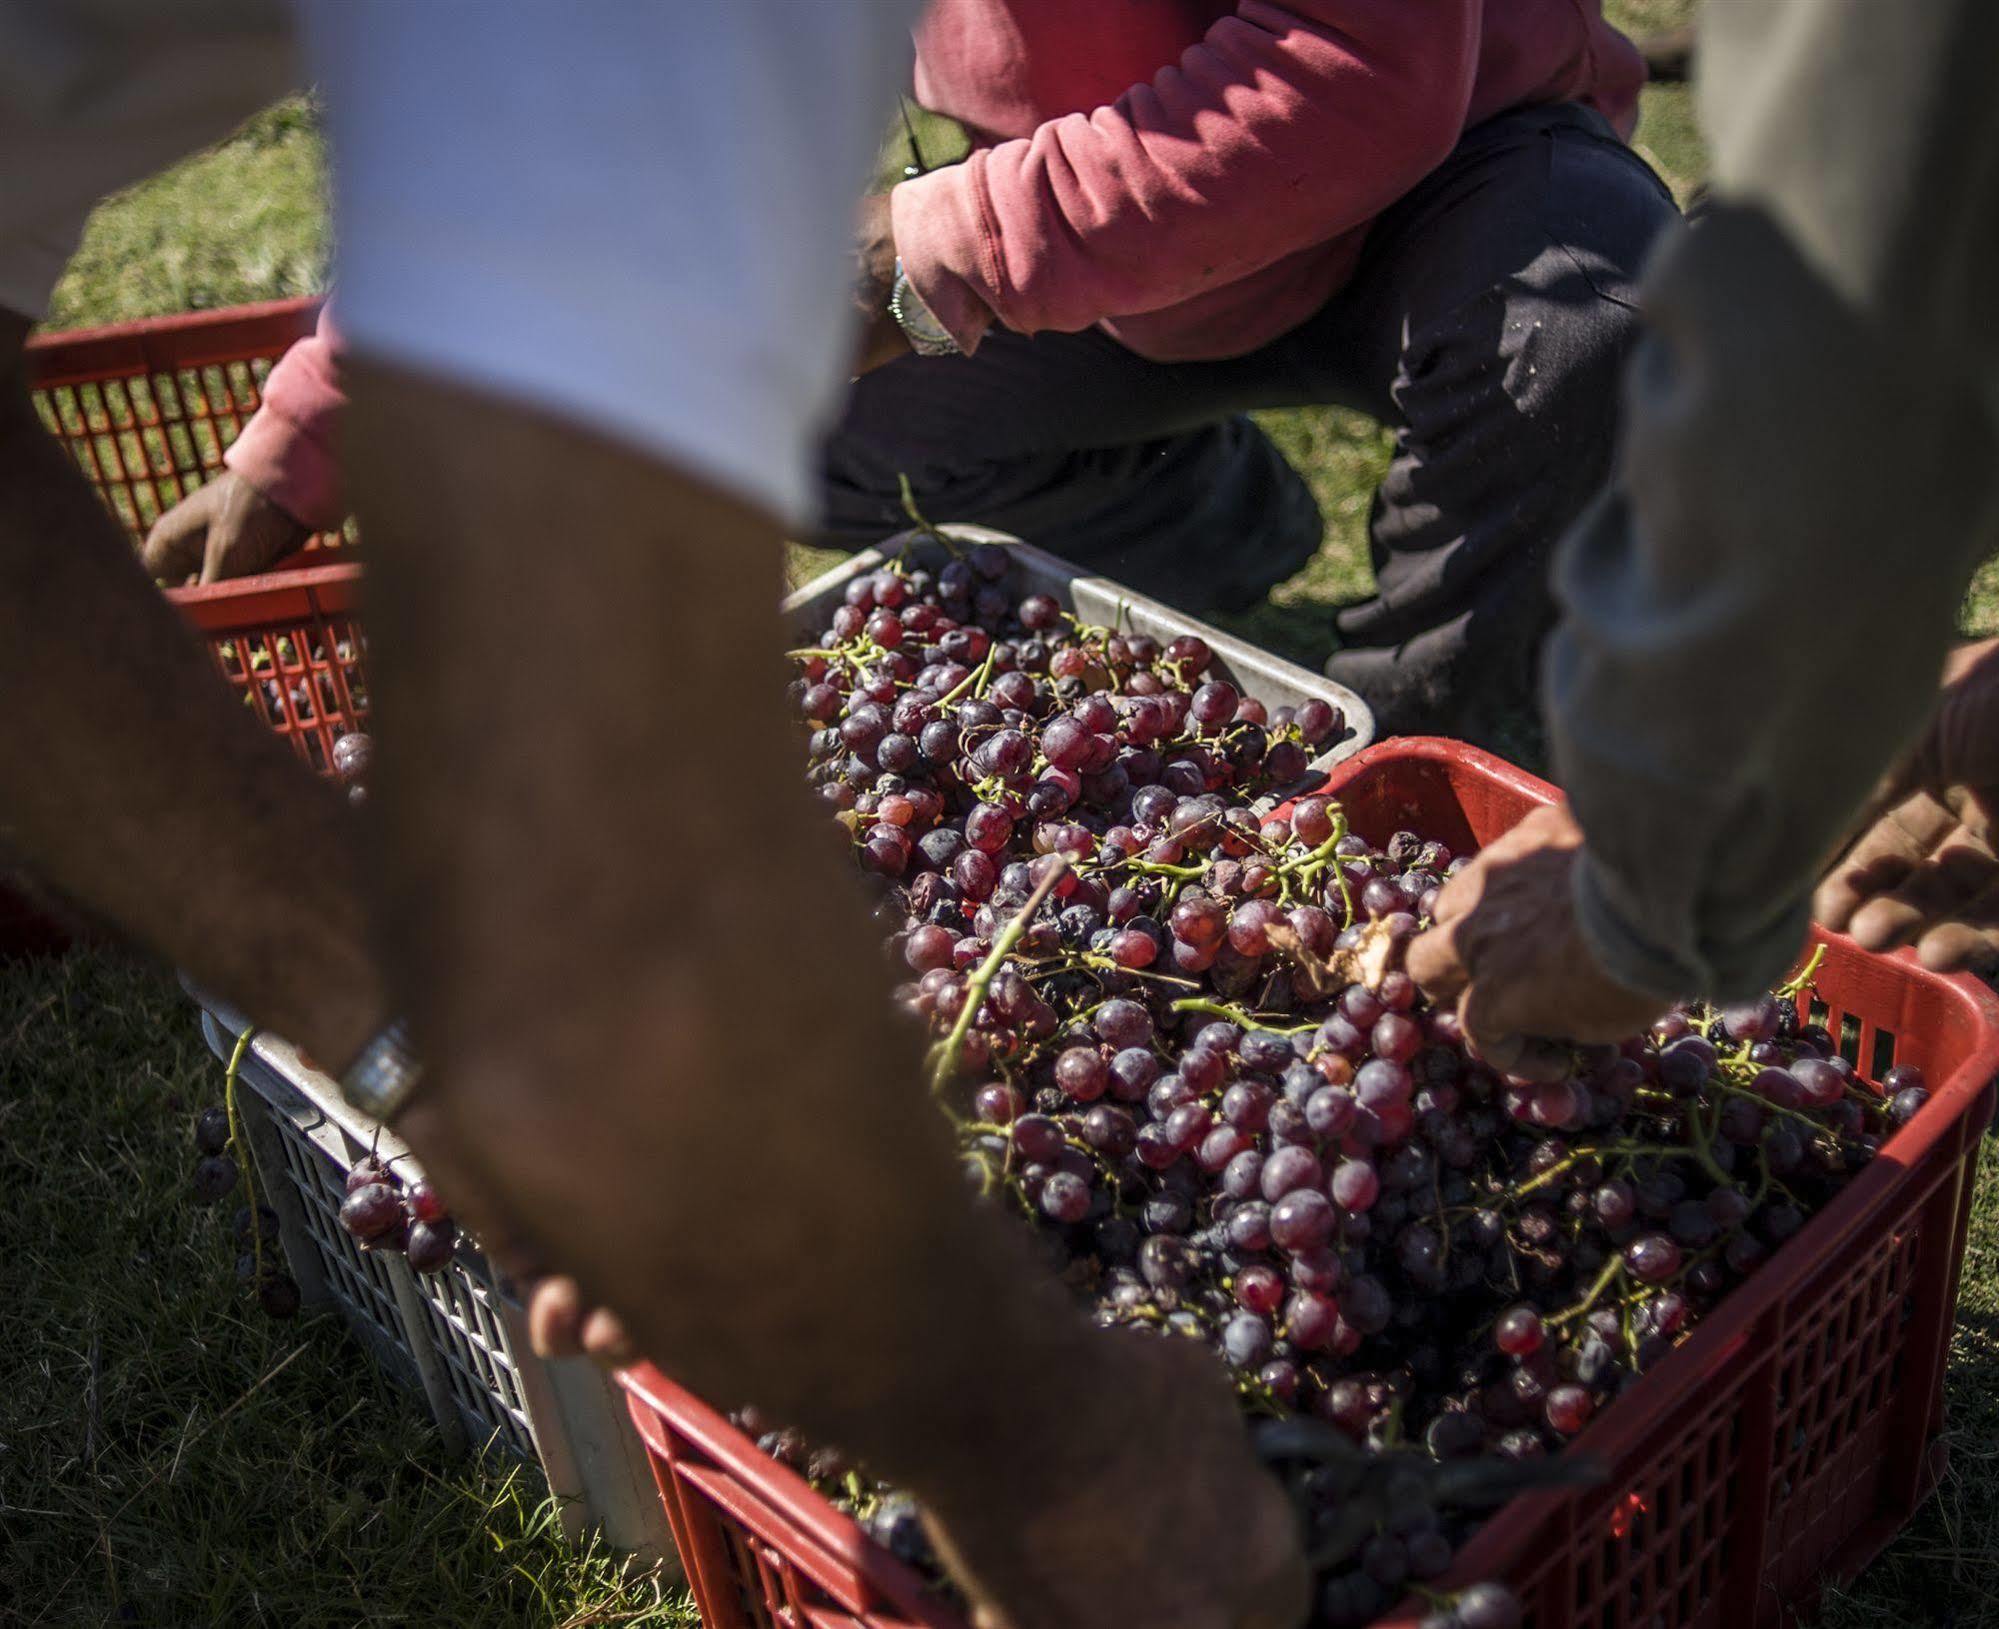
(1563, 350)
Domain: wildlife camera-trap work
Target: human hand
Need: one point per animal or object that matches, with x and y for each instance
(1162, 1466)
(1166, 1470)
(1505, 946)
(1148, 1506)
(882, 339)
(224, 529)
(1924, 869)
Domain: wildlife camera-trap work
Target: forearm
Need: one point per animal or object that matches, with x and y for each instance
(289, 451)
(1286, 126)
(134, 781)
(1755, 630)
(618, 915)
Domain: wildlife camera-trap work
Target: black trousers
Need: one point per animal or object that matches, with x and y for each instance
(1487, 324)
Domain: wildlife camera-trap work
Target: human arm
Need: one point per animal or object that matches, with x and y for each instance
(1285, 126)
(1724, 688)
(281, 481)
(657, 1021)
(654, 1012)
(882, 339)
(1754, 622)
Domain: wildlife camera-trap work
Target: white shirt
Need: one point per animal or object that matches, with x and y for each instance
(635, 213)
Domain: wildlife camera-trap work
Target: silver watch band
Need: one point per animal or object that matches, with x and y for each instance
(385, 1076)
(927, 336)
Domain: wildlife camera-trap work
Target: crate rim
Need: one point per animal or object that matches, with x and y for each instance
(164, 344)
(1233, 649)
(249, 604)
(1953, 1111)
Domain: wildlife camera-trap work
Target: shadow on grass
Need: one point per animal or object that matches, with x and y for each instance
(1299, 633)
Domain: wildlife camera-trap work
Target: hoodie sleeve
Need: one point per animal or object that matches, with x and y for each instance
(1284, 126)
(289, 449)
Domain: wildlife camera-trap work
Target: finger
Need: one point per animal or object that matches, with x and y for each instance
(1460, 894)
(1951, 947)
(173, 548)
(606, 1339)
(1882, 858)
(1930, 895)
(1486, 1028)
(555, 1318)
(1434, 962)
(1852, 883)
(1886, 923)
(1969, 939)
(1539, 1058)
(1502, 1052)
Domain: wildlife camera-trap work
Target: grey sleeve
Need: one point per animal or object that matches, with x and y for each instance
(1755, 617)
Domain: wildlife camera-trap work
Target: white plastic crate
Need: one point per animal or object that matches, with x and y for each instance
(458, 1336)
(1107, 603)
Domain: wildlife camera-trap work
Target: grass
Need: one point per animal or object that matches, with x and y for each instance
(168, 1455)
(166, 1458)
(245, 221)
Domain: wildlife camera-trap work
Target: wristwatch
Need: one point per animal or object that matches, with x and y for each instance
(385, 1076)
(926, 335)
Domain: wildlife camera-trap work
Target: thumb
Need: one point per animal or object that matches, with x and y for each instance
(173, 549)
(1433, 960)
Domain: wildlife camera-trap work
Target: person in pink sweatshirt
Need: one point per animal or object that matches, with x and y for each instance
(1176, 212)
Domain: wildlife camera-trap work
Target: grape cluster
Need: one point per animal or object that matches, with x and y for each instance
(380, 1212)
(253, 1229)
(955, 729)
(1172, 1028)
(304, 692)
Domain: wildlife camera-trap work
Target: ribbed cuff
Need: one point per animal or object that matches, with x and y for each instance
(948, 247)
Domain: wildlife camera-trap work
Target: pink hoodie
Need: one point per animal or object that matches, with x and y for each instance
(1194, 176)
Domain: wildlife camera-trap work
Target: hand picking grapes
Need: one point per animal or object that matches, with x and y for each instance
(1172, 1030)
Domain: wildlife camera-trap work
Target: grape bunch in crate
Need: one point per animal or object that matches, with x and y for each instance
(1164, 1120)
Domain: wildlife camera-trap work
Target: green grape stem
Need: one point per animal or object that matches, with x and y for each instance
(1802, 979)
(1236, 1015)
(945, 1060)
(1613, 1270)
(241, 1144)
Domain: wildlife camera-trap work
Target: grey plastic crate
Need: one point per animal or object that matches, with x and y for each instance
(1101, 600)
(458, 1336)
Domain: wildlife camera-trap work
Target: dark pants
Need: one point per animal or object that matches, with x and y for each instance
(1486, 325)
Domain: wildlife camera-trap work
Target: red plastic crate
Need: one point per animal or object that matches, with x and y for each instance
(148, 408)
(1783, 1445)
(290, 645)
